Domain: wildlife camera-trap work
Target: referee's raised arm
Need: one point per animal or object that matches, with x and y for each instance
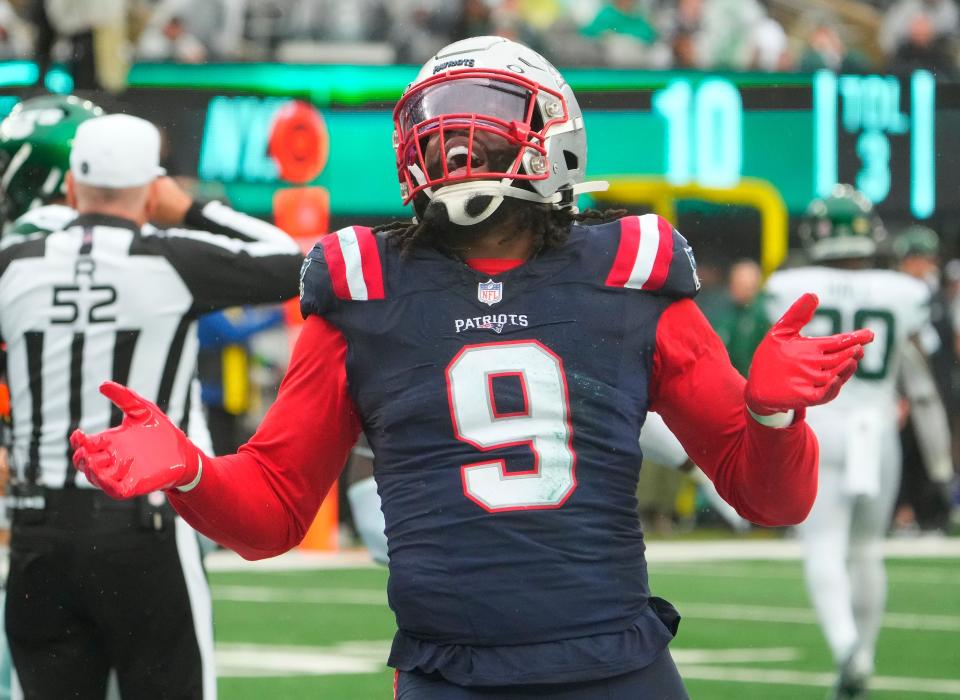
(224, 256)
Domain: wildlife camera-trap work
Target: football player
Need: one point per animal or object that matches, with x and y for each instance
(858, 434)
(500, 355)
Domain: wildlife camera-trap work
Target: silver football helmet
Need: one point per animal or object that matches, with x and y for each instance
(488, 118)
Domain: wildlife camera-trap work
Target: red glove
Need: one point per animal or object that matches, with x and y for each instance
(145, 453)
(791, 371)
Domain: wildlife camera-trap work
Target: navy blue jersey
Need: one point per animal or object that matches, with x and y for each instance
(504, 412)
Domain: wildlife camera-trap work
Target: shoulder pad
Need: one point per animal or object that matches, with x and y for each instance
(654, 257)
(345, 265)
(45, 219)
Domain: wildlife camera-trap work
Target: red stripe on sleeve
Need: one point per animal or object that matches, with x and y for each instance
(336, 265)
(370, 262)
(661, 263)
(626, 252)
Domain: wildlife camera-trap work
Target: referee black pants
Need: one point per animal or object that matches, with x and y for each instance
(94, 585)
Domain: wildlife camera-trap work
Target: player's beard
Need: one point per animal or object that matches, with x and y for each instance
(456, 239)
(436, 227)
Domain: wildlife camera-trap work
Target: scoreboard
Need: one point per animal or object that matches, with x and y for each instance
(879, 133)
(896, 137)
(874, 131)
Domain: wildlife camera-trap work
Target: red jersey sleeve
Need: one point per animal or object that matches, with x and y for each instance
(769, 475)
(261, 500)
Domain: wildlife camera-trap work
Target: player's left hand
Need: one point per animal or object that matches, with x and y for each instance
(790, 371)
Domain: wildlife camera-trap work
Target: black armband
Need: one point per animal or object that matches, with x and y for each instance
(194, 217)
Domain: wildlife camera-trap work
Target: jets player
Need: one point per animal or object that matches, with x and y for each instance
(506, 448)
(34, 159)
(859, 447)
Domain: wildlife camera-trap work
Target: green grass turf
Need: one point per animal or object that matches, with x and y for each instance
(316, 612)
(373, 686)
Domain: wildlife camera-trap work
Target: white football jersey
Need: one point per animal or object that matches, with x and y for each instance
(45, 219)
(893, 305)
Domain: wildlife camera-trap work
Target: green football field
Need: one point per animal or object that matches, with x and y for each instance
(748, 631)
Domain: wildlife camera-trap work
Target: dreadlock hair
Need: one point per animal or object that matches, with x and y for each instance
(550, 227)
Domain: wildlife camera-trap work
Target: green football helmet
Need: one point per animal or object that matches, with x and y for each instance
(916, 240)
(843, 225)
(35, 141)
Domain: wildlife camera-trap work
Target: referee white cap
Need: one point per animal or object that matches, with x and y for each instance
(116, 151)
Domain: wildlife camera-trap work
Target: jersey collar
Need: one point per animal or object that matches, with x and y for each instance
(93, 219)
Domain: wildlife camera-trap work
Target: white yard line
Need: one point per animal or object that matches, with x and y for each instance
(755, 570)
(320, 596)
(235, 659)
(767, 676)
(251, 660)
(805, 616)
(734, 656)
(294, 560)
(657, 551)
(790, 550)
(703, 611)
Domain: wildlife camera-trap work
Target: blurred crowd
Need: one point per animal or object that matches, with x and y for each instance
(764, 35)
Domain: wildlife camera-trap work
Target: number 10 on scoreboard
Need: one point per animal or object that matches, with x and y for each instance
(704, 124)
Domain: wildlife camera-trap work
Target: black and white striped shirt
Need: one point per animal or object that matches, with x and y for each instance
(102, 300)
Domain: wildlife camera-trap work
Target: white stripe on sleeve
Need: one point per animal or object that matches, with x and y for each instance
(647, 252)
(256, 249)
(350, 249)
(251, 226)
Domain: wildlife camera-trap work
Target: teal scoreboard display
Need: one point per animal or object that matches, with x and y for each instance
(896, 137)
(877, 132)
(880, 133)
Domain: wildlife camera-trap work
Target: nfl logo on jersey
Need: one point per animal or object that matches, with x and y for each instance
(490, 292)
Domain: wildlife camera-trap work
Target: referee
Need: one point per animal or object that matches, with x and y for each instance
(96, 583)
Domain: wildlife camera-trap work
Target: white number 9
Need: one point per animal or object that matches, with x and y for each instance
(543, 424)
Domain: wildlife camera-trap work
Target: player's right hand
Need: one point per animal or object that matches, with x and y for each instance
(170, 203)
(145, 453)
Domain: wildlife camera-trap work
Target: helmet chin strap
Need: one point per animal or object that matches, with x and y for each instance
(462, 203)
(462, 210)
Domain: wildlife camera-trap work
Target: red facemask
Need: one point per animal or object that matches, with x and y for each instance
(473, 124)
